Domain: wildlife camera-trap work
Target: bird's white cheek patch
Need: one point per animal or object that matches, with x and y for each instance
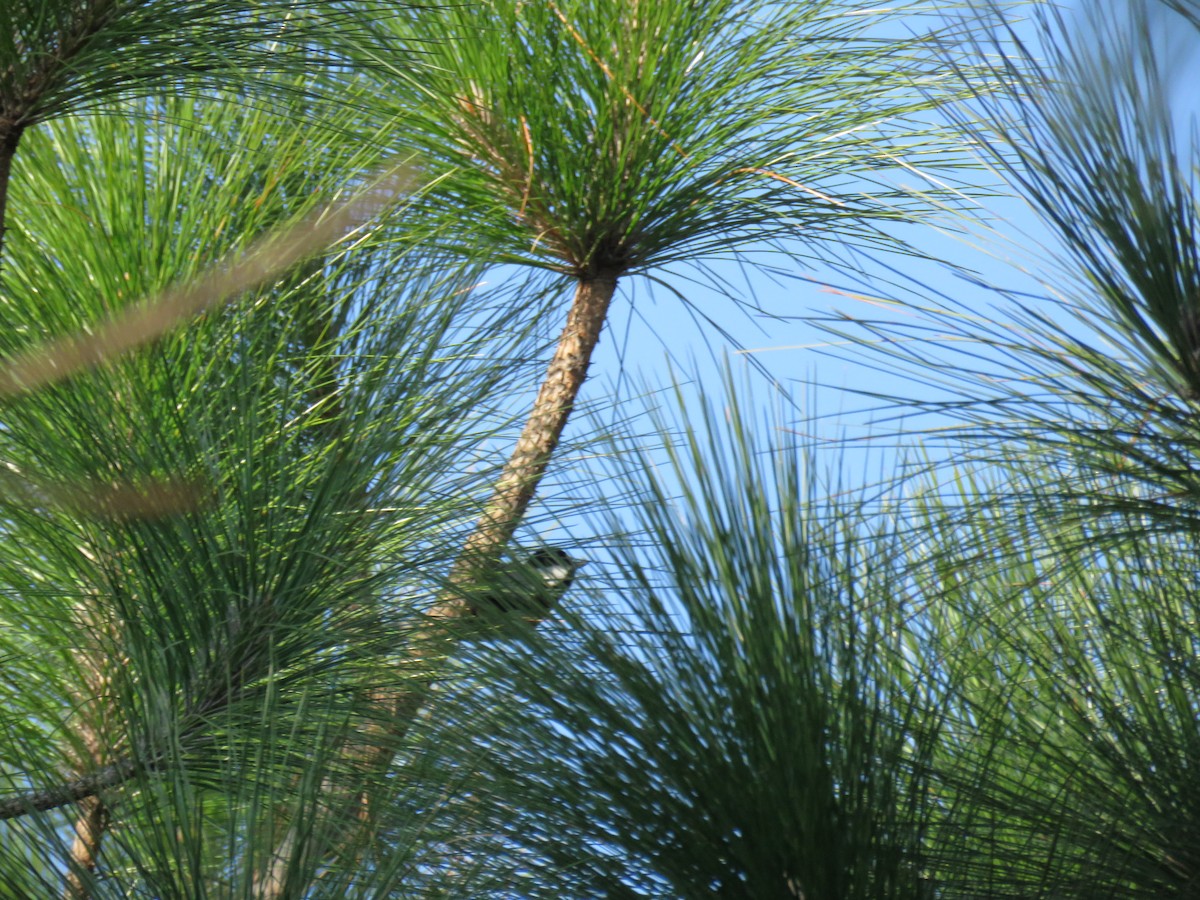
(555, 574)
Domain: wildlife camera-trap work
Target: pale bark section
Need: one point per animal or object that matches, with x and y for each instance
(519, 481)
(90, 826)
(95, 732)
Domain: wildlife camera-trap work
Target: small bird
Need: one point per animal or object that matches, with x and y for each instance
(533, 586)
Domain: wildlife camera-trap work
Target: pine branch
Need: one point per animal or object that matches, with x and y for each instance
(81, 788)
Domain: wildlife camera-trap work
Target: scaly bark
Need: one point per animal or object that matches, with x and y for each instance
(10, 136)
(90, 825)
(555, 400)
(96, 735)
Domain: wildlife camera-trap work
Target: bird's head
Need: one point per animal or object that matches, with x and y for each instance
(555, 567)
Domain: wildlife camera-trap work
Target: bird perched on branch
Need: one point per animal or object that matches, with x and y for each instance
(531, 587)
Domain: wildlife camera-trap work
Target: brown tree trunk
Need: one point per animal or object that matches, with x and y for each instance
(90, 826)
(510, 498)
(555, 400)
(92, 702)
(10, 136)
